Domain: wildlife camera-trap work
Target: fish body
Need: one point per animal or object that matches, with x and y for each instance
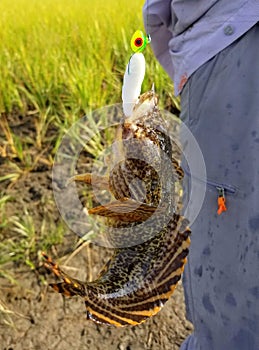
(149, 258)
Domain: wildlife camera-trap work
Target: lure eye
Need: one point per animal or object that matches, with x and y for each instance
(138, 41)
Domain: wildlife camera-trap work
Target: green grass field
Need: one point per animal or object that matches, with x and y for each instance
(58, 60)
(61, 56)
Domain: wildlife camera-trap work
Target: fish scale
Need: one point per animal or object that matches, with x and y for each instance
(150, 257)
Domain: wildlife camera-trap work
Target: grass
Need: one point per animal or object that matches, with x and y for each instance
(61, 56)
(59, 60)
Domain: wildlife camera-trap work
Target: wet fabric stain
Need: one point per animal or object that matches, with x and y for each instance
(208, 304)
(225, 319)
(206, 251)
(255, 292)
(244, 340)
(254, 223)
(198, 271)
(230, 300)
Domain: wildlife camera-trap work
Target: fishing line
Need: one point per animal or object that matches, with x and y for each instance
(147, 22)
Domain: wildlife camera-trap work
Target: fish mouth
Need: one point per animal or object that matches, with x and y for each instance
(145, 104)
(147, 97)
(142, 110)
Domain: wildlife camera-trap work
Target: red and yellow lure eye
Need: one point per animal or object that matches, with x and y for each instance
(139, 41)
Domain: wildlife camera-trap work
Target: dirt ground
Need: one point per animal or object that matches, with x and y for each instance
(41, 319)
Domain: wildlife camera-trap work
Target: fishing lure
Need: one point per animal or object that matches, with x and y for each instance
(132, 81)
(134, 73)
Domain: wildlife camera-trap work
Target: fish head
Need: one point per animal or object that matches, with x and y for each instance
(144, 111)
(145, 105)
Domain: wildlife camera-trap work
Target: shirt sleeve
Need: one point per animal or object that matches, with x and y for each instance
(157, 21)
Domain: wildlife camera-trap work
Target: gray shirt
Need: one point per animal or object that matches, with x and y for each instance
(187, 33)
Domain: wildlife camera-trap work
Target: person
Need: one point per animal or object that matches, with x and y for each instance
(210, 49)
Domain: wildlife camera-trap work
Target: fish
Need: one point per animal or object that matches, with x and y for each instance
(150, 238)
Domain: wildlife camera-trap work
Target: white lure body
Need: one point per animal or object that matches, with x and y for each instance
(132, 81)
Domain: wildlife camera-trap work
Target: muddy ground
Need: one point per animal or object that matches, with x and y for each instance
(39, 318)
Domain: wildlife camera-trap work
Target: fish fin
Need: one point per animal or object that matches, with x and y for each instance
(126, 210)
(69, 290)
(99, 181)
(177, 169)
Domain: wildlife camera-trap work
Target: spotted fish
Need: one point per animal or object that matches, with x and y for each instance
(149, 258)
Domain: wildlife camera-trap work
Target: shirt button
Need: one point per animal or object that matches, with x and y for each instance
(228, 30)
